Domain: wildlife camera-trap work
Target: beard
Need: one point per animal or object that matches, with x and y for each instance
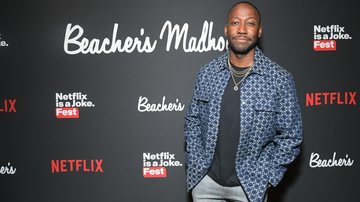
(244, 48)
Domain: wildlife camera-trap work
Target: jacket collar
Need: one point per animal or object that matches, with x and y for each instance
(259, 60)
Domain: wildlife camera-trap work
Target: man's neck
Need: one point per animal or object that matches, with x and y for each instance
(242, 60)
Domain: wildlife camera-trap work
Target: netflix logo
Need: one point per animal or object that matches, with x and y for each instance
(8, 105)
(77, 165)
(331, 98)
(155, 164)
(68, 104)
(325, 37)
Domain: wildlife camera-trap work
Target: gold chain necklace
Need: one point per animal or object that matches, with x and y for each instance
(242, 74)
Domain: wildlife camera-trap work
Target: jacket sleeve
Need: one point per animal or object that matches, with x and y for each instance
(289, 129)
(192, 121)
(193, 124)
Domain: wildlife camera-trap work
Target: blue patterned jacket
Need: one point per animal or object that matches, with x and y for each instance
(271, 125)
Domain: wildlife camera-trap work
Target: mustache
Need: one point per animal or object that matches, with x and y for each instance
(241, 37)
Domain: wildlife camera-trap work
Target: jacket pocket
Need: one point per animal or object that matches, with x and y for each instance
(202, 98)
(264, 122)
(202, 102)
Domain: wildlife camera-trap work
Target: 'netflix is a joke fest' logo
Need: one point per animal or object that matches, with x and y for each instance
(155, 165)
(3, 43)
(325, 37)
(68, 104)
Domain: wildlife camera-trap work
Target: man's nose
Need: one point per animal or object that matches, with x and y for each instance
(242, 28)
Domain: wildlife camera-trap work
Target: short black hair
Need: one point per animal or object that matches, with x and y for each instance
(244, 2)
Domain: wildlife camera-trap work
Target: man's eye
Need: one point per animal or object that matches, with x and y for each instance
(234, 23)
(251, 24)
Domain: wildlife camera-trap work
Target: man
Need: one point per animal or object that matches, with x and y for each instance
(243, 125)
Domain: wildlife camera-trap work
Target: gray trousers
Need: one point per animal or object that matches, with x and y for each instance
(208, 190)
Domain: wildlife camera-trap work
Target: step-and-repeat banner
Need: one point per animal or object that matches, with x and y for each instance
(93, 95)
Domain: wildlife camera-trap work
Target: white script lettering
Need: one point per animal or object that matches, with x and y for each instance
(7, 169)
(76, 43)
(316, 162)
(204, 44)
(93, 46)
(144, 106)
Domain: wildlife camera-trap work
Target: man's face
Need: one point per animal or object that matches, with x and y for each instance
(243, 28)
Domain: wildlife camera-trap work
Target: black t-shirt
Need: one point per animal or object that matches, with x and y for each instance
(222, 169)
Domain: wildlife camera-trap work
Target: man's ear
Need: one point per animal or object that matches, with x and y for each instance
(260, 31)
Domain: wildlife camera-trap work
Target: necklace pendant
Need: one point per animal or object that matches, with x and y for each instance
(236, 88)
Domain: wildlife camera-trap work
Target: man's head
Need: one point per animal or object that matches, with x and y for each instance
(243, 27)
